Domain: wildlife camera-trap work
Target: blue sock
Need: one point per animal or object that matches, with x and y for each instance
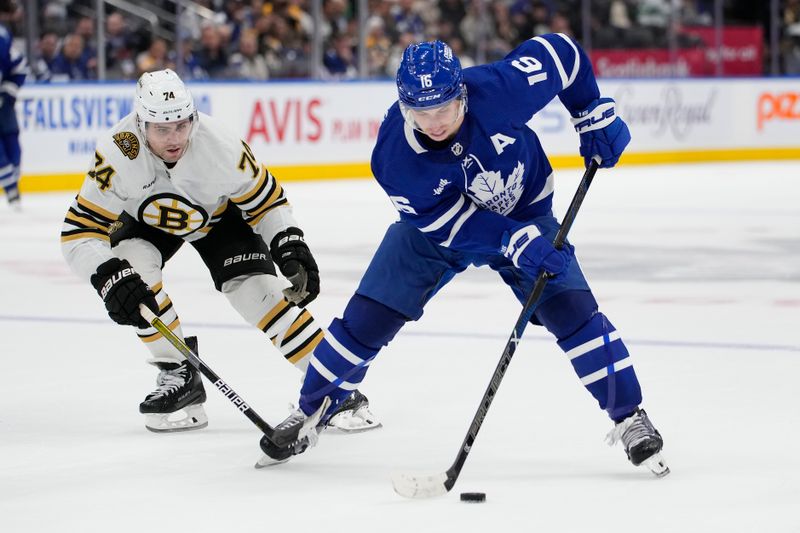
(341, 360)
(602, 362)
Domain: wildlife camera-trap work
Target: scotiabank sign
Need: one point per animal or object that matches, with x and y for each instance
(741, 55)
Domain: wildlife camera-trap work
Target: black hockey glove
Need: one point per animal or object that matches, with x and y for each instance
(122, 290)
(291, 254)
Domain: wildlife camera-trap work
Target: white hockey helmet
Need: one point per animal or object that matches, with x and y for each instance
(161, 96)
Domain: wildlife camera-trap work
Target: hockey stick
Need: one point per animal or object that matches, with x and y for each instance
(426, 486)
(210, 375)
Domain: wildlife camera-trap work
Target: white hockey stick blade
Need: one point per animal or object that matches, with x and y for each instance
(420, 487)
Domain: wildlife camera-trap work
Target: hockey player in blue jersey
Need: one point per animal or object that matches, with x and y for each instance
(473, 186)
(13, 69)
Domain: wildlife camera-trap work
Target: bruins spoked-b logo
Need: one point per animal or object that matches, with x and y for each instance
(173, 214)
(127, 143)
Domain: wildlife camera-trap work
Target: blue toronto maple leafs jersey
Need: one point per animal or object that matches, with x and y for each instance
(492, 176)
(13, 69)
(13, 66)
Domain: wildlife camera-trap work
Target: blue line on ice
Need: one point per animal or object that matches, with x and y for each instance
(445, 334)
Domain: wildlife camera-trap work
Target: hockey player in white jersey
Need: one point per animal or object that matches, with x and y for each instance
(167, 174)
(459, 160)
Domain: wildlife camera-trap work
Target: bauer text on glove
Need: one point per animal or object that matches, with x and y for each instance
(123, 290)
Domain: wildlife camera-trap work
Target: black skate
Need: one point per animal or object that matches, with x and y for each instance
(177, 403)
(293, 436)
(353, 415)
(642, 442)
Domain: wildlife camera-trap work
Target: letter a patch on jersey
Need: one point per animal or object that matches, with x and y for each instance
(500, 141)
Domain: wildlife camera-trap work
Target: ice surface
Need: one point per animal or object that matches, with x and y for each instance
(698, 266)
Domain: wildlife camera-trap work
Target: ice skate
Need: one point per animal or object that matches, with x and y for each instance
(293, 436)
(642, 442)
(177, 402)
(14, 201)
(353, 415)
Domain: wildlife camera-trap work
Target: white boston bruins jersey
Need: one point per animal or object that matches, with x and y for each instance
(216, 170)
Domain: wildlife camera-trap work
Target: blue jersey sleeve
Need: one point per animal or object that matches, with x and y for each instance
(537, 71)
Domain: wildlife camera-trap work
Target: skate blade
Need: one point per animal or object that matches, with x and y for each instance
(352, 429)
(265, 461)
(356, 421)
(187, 419)
(350, 422)
(657, 465)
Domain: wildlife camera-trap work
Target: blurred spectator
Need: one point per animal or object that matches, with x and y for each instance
(502, 21)
(378, 46)
(54, 16)
(540, 18)
(339, 60)
(407, 19)
(154, 58)
(119, 48)
(656, 15)
(792, 51)
(301, 20)
(286, 51)
(452, 11)
(697, 12)
(560, 23)
(475, 26)
(282, 31)
(212, 56)
(334, 18)
(396, 53)
(46, 52)
(70, 64)
(190, 68)
(247, 63)
(791, 13)
(457, 44)
(619, 15)
(791, 42)
(86, 29)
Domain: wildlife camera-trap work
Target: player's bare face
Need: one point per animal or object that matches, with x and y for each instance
(440, 123)
(169, 140)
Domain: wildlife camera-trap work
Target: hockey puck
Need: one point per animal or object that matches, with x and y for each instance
(473, 497)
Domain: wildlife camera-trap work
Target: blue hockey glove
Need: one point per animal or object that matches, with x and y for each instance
(602, 132)
(532, 252)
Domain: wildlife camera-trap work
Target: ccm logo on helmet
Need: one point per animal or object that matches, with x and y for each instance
(244, 257)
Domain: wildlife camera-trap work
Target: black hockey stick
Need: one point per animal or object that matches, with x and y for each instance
(210, 375)
(426, 486)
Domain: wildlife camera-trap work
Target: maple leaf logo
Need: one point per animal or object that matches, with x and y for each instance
(486, 184)
(491, 191)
